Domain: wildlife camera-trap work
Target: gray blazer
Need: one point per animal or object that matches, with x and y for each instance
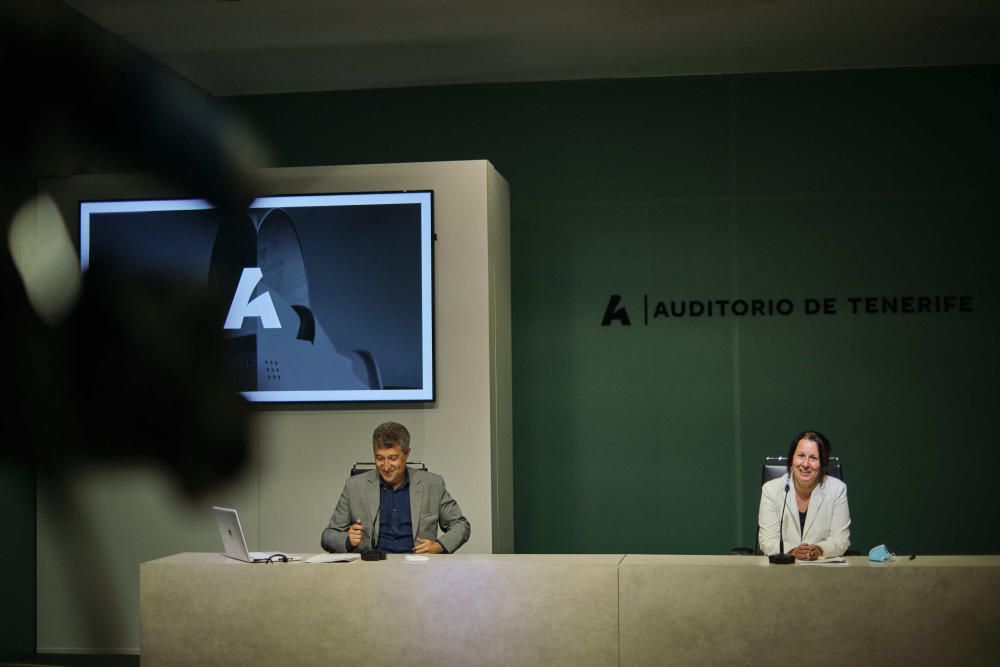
(431, 507)
(828, 521)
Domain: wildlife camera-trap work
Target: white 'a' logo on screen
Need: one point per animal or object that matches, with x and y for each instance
(242, 307)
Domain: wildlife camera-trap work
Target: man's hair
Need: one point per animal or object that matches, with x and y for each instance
(389, 435)
(822, 443)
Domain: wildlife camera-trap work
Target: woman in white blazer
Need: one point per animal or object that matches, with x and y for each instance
(816, 516)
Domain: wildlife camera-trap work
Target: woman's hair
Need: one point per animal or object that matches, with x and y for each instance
(824, 451)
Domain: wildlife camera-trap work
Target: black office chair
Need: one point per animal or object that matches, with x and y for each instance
(774, 467)
(365, 466)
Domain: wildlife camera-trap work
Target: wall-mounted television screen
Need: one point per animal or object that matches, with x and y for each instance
(331, 294)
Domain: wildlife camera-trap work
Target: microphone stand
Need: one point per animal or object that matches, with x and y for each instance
(780, 558)
(373, 553)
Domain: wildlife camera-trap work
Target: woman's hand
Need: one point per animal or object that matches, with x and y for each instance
(807, 552)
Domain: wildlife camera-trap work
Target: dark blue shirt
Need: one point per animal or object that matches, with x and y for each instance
(395, 533)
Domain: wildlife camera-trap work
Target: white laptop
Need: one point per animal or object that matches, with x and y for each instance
(235, 545)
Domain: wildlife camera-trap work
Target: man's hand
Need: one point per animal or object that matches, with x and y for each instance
(807, 552)
(427, 547)
(355, 533)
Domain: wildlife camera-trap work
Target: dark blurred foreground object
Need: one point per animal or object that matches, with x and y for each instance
(71, 89)
(130, 376)
(134, 371)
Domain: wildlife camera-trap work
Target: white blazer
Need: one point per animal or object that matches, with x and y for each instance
(828, 520)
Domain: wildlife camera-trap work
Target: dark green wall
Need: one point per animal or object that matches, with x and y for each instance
(648, 438)
(17, 558)
(841, 184)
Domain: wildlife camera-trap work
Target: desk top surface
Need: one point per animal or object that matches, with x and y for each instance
(642, 560)
(190, 558)
(615, 560)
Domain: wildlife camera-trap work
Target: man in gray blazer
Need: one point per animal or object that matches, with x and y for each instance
(401, 508)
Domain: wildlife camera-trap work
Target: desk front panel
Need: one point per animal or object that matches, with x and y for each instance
(727, 610)
(450, 610)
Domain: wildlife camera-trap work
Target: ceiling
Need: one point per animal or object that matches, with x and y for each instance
(233, 47)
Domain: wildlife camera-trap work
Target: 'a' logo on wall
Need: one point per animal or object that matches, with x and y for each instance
(612, 312)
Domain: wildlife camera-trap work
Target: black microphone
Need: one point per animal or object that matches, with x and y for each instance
(781, 558)
(372, 553)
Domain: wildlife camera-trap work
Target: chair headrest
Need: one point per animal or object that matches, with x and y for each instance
(776, 466)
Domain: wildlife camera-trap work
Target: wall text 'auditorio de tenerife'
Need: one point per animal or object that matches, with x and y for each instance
(621, 310)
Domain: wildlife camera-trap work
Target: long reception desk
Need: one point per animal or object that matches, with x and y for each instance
(569, 610)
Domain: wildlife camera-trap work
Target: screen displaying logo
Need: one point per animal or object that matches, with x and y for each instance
(329, 297)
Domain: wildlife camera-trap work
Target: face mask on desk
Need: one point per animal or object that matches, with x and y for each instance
(880, 554)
